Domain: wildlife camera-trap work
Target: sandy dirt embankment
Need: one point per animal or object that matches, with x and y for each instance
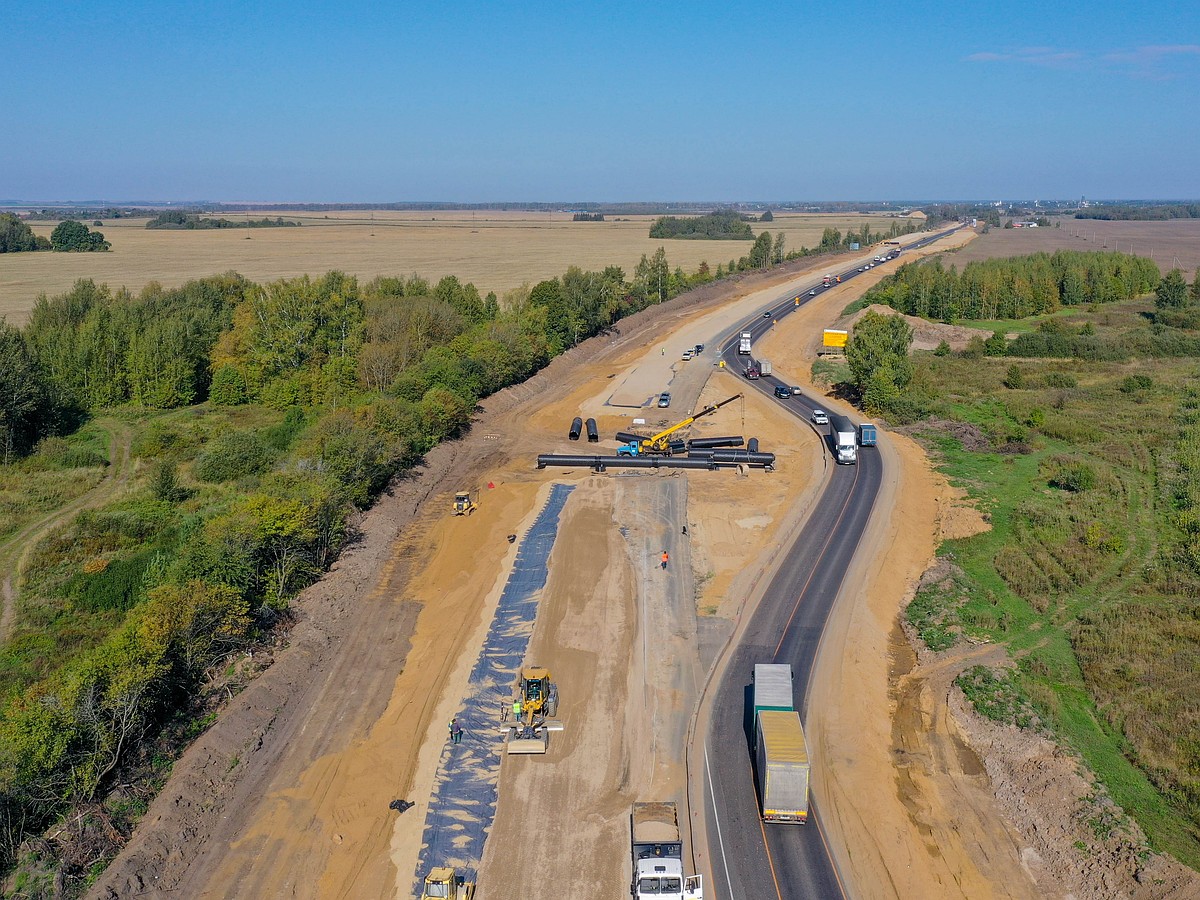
(287, 795)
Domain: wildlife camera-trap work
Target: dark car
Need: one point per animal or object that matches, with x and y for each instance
(698, 349)
(782, 392)
(767, 314)
(664, 400)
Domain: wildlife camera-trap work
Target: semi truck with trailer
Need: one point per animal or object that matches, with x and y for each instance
(844, 438)
(781, 755)
(658, 855)
(744, 343)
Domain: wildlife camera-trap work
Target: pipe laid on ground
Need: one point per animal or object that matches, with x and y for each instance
(752, 445)
(743, 456)
(628, 462)
(710, 442)
(593, 433)
(702, 453)
(576, 428)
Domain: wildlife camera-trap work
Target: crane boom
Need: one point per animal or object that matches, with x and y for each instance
(659, 443)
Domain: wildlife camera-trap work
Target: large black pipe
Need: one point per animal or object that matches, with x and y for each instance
(752, 445)
(593, 433)
(677, 446)
(743, 456)
(702, 453)
(576, 428)
(627, 437)
(628, 462)
(709, 443)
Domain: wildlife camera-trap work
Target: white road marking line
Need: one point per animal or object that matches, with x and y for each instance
(717, 818)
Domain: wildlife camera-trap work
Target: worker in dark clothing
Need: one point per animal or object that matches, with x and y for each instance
(455, 732)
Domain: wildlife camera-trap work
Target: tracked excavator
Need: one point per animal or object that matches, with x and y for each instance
(538, 697)
(660, 444)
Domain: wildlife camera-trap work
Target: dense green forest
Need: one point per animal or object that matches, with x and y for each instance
(178, 220)
(1080, 438)
(1146, 212)
(1014, 287)
(17, 237)
(247, 422)
(722, 225)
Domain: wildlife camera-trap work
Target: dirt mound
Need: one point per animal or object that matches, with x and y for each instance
(1077, 842)
(926, 335)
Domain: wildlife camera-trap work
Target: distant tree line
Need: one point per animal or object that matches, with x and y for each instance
(177, 219)
(1016, 287)
(722, 225)
(588, 217)
(1148, 212)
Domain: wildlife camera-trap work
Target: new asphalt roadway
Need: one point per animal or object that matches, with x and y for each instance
(750, 858)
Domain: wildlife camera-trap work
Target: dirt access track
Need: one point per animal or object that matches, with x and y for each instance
(287, 795)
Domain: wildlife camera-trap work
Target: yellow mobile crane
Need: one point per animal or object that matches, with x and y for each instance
(660, 443)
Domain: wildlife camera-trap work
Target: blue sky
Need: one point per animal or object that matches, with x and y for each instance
(357, 102)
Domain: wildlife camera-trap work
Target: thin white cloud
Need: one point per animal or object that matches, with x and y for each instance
(1157, 61)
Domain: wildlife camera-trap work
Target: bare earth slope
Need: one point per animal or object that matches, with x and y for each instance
(287, 794)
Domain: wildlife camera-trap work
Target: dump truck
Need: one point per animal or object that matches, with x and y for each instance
(538, 698)
(867, 435)
(463, 504)
(844, 438)
(744, 343)
(444, 883)
(782, 763)
(658, 855)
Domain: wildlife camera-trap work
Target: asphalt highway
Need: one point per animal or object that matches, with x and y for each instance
(750, 858)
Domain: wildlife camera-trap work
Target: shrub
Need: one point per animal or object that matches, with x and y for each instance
(1072, 475)
(1133, 383)
(1013, 379)
(1059, 380)
(943, 349)
(233, 455)
(997, 697)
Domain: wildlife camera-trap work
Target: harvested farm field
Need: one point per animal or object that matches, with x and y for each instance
(1173, 243)
(496, 250)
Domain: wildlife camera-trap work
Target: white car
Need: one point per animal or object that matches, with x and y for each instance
(796, 392)
(687, 354)
(819, 417)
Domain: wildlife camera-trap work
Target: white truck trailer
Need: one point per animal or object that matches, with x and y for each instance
(744, 343)
(658, 855)
(845, 440)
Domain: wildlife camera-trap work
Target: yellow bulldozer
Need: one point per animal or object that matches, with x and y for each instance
(464, 505)
(537, 702)
(446, 884)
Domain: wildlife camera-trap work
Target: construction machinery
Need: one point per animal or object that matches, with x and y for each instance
(444, 883)
(661, 443)
(538, 698)
(464, 505)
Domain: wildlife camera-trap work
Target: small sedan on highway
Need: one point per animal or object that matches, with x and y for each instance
(782, 391)
(767, 314)
(664, 400)
(819, 417)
